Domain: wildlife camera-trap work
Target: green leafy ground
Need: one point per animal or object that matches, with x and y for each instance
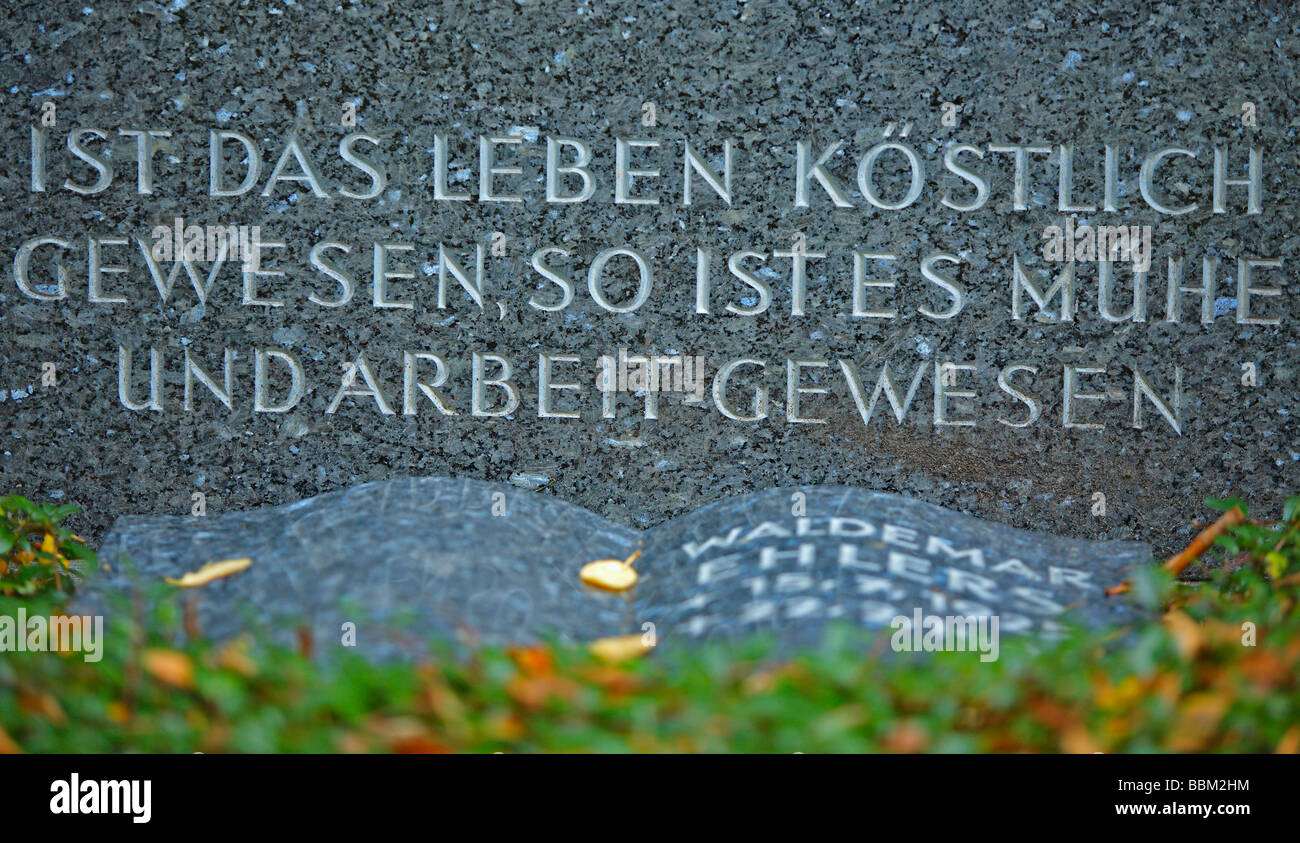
(1189, 681)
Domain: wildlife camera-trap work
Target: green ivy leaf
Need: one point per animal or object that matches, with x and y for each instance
(17, 503)
(58, 513)
(1225, 504)
(77, 550)
(1152, 585)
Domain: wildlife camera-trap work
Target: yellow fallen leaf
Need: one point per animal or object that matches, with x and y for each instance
(1120, 696)
(117, 712)
(1076, 740)
(50, 546)
(1197, 720)
(533, 660)
(235, 656)
(209, 572)
(42, 703)
(611, 574)
(908, 737)
(1186, 633)
(8, 746)
(620, 648)
(170, 667)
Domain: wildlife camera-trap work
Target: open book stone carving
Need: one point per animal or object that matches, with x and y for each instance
(419, 558)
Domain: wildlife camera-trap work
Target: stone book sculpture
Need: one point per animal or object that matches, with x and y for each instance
(407, 560)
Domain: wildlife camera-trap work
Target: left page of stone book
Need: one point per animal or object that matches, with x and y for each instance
(402, 561)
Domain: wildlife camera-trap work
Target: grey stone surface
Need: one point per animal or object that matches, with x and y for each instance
(765, 73)
(408, 560)
(748, 565)
(404, 560)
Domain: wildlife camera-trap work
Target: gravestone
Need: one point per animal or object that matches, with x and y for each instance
(403, 561)
(419, 559)
(814, 251)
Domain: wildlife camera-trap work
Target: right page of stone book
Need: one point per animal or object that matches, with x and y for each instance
(790, 561)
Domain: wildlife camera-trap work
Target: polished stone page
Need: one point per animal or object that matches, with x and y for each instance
(395, 562)
(458, 560)
(788, 562)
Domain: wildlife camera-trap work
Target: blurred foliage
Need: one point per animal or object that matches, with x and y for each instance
(38, 555)
(1217, 669)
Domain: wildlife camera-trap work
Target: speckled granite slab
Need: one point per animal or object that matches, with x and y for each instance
(410, 559)
(1001, 86)
(750, 564)
(428, 555)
